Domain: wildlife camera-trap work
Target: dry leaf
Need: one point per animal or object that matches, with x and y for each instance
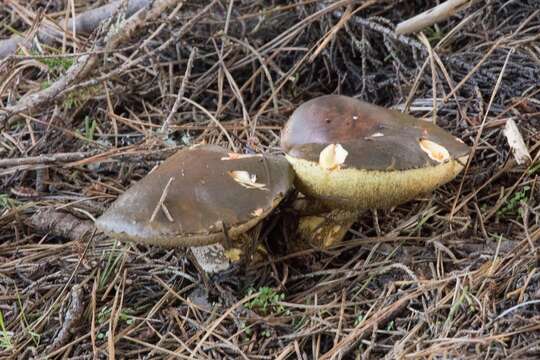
(434, 151)
(515, 140)
(332, 156)
(246, 179)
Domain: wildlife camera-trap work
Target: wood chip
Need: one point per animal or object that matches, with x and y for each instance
(332, 156)
(246, 179)
(435, 151)
(516, 143)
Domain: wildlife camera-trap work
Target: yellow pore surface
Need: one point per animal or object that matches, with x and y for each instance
(370, 189)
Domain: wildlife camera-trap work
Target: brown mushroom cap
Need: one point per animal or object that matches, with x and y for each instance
(210, 189)
(384, 157)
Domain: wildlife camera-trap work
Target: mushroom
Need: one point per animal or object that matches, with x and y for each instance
(200, 196)
(352, 156)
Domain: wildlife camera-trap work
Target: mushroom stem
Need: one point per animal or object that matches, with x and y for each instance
(219, 257)
(323, 229)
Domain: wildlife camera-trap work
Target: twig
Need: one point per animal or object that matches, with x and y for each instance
(165, 128)
(71, 319)
(383, 316)
(46, 159)
(84, 23)
(32, 101)
(480, 131)
(384, 30)
(434, 15)
(161, 205)
(474, 69)
(133, 62)
(61, 224)
(85, 63)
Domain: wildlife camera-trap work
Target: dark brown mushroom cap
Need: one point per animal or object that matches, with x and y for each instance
(351, 154)
(375, 137)
(210, 189)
